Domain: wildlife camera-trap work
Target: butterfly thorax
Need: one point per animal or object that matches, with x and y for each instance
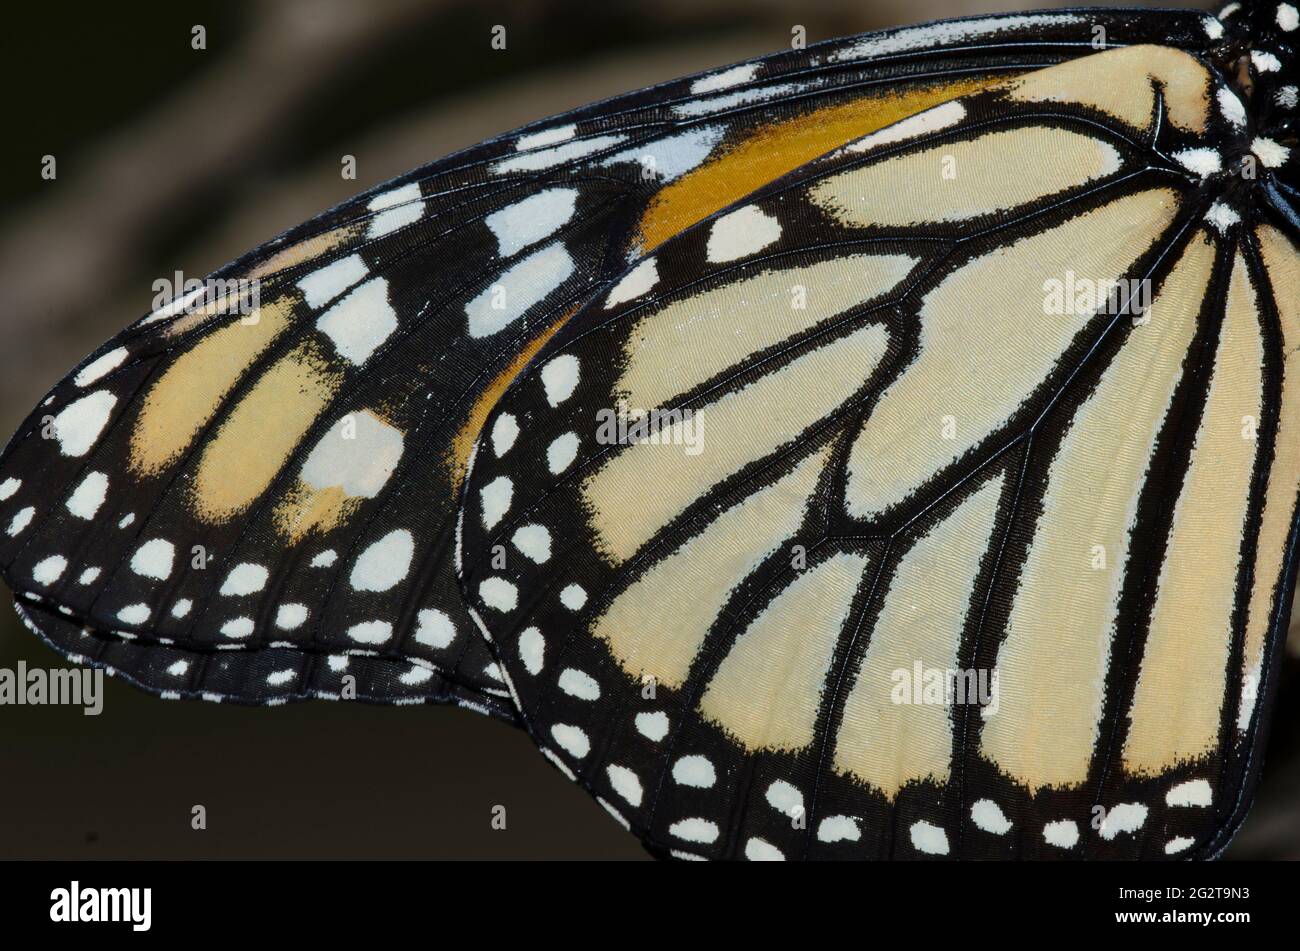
(1258, 56)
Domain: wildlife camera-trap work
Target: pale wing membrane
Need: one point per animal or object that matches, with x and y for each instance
(1029, 439)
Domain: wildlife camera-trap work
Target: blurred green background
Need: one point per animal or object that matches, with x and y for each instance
(170, 158)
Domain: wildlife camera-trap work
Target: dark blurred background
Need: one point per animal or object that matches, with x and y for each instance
(173, 158)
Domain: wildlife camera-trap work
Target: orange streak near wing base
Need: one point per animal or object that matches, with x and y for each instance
(781, 147)
(463, 443)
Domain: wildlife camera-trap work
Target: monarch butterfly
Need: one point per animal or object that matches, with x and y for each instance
(720, 434)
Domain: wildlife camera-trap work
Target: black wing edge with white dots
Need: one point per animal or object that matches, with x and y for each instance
(913, 509)
(248, 495)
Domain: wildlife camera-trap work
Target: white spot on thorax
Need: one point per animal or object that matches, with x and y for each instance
(1265, 62)
(1288, 17)
(1272, 154)
(1231, 107)
(1204, 162)
(1221, 216)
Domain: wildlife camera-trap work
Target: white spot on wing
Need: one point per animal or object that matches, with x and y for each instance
(696, 771)
(100, 367)
(47, 570)
(653, 726)
(573, 597)
(384, 563)
(154, 559)
(9, 487)
(838, 829)
(625, 783)
(1064, 834)
(785, 798)
(324, 284)
(987, 815)
(547, 158)
(929, 838)
(572, 739)
(634, 284)
(498, 593)
(504, 432)
(560, 378)
(518, 289)
(1194, 792)
(435, 628)
(89, 495)
(741, 233)
(289, 617)
(578, 684)
(244, 578)
(734, 76)
(397, 208)
(532, 650)
(370, 632)
(931, 120)
(496, 497)
(529, 221)
(694, 830)
(535, 542)
(561, 452)
(1125, 817)
(79, 424)
(360, 322)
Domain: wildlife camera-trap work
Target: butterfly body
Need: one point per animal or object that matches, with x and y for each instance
(816, 457)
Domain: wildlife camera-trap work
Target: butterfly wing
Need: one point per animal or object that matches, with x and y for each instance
(904, 424)
(276, 477)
